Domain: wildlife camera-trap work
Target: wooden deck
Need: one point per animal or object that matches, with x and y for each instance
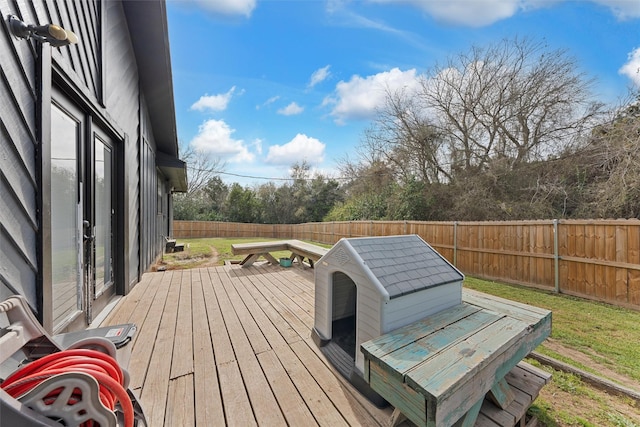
(232, 346)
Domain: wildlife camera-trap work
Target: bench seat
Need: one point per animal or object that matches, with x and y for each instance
(299, 250)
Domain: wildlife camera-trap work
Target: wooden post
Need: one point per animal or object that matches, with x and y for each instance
(455, 243)
(556, 257)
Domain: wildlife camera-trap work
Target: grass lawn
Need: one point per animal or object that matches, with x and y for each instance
(596, 337)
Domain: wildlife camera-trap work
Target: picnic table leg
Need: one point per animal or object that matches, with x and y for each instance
(249, 259)
(270, 258)
(501, 394)
(397, 418)
(469, 419)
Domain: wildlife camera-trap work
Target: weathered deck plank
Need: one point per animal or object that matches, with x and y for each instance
(180, 402)
(246, 338)
(235, 400)
(182, 363)
(144, 341)
(291, 402)
(207, 398)
(156, 383)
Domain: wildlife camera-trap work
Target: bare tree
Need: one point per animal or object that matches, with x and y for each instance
(406, 139)
(516, 99)
(614, 156)
(205, 190)
(201, 167)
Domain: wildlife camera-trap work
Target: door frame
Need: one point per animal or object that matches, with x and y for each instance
(97, 301)
(59, 90)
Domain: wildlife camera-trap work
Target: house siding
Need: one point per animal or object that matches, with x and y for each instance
(18, 175)
(123, 100)
(101, 75)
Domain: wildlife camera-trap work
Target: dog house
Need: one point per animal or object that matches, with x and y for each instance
(366, 287)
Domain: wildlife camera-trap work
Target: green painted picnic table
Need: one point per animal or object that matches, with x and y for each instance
(437, 371)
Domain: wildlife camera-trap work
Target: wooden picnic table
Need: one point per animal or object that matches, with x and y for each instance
(299, 251)
(438, 370)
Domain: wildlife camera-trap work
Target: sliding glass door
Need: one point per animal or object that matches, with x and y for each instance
(66, 217)
(82, 216)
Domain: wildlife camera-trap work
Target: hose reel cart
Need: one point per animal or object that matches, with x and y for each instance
(72, 379)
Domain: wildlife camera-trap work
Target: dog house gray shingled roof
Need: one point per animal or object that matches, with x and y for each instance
(404, 264)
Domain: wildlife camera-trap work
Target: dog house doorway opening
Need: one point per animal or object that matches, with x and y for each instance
(343, 324)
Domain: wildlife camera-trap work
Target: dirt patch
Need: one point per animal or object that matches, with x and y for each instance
(574, 404)
(213, 260)
(185, 260)
(595, 406)
(585, 360)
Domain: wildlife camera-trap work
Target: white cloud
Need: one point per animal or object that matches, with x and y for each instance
(291, 110)
(300, 148)
(228, 7)
(632, 68)
(335, 5)
(360, 97)
(622, 9)
(346, 17)
(268, 102)
(473, 13)
(479, 13)
(214, 102)
(257, 143)
(215, 137)
(319, 76)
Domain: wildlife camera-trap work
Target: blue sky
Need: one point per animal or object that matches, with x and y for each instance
(261, 84)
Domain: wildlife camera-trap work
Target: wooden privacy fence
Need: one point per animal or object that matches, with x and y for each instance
(594, 259)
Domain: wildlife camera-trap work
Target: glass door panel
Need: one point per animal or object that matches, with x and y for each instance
(103, 213)
(66, 214)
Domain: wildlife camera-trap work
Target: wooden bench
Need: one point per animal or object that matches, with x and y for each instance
(437, 371)
(170, 245)
(299, 251)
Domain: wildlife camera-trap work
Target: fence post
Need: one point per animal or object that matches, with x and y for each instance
(455, 243)
(556, 257)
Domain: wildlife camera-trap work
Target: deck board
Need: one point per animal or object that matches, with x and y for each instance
(207, 399)
(183, 341)
(148, 323)
(180, 402)
(156, 383)
(242, 331)
(232, 346)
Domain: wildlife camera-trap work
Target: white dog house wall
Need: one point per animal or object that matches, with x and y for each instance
(366, 287)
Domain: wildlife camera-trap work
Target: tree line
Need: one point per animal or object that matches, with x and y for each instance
(503, 132)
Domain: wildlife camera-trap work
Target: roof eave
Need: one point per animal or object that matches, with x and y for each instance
(149, 31)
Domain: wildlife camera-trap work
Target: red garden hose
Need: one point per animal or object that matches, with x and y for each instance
(102, 367)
